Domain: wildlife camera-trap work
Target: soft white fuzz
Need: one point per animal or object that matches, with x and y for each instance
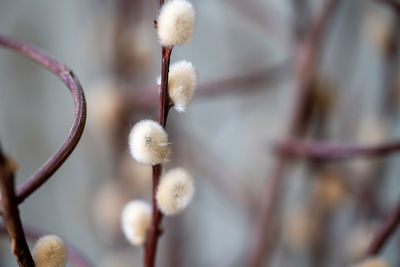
(50, 251)
(182, 81)
(373, 262)
(175, 25)
(135, 219)
(148, 142)
(175, 191)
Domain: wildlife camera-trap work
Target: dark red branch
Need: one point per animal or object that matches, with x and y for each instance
(10, 213)
(384, 231)
(70, 80)
(74, 256)
(164, 106)
(305, 64)
(325, 151)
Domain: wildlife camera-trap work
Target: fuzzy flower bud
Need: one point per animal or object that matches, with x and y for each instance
(175, 25)
(135, 219)
(148, 142)
(175, 191)
(50, 251)
(182, 81)
(373, 262)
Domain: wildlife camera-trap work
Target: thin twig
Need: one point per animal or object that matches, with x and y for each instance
(305, 64)
(384, 231)
(240, 84)
(70, 80)
(326, 151)
(389, 225)
(164, 106)
(74, 256)
(10, 214)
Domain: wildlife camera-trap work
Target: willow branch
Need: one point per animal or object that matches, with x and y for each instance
(70, 80)
(164, 106)
(325, 151)
(385, 230)
(240, 84)
(305, 64)
(10, 213)
(74, 256)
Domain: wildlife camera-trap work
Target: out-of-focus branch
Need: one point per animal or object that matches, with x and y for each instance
(10, 213)
(383, 233)
(70, 80)
(305, 64)
(325, 151)
(392, 221)
(231, 85)
(394, 4)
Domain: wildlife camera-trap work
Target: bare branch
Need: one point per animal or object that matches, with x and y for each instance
(163, 110)
(325, 151)
(10, 214)
(74, 256)
(305, 64)
(383, 233)
(230, 85)
(70, 80)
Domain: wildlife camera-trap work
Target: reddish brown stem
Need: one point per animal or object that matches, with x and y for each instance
(383, 233)
(306, 60)
(70, 80)
(325, 151)
(164, 106)
(240, 84)
(74, 256)
(10, 214)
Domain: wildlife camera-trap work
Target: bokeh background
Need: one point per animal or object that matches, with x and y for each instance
(244, 53)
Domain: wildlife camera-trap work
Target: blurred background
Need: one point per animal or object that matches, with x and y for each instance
(244, 52)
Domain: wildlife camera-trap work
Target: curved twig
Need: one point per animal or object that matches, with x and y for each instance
(326, 151)
(70, 80)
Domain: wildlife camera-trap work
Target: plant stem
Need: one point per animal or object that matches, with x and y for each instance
(326, 151)
(10, 214)
(305, 64)
(70, 80)
(237, 84)
(163, 110)
(74, 255)
(384, 231)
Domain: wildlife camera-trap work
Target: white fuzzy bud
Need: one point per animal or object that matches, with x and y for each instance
(50, 251)
(148, 142)
(182, 81)
(175, 191)
(136, 219)
(175, 24)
